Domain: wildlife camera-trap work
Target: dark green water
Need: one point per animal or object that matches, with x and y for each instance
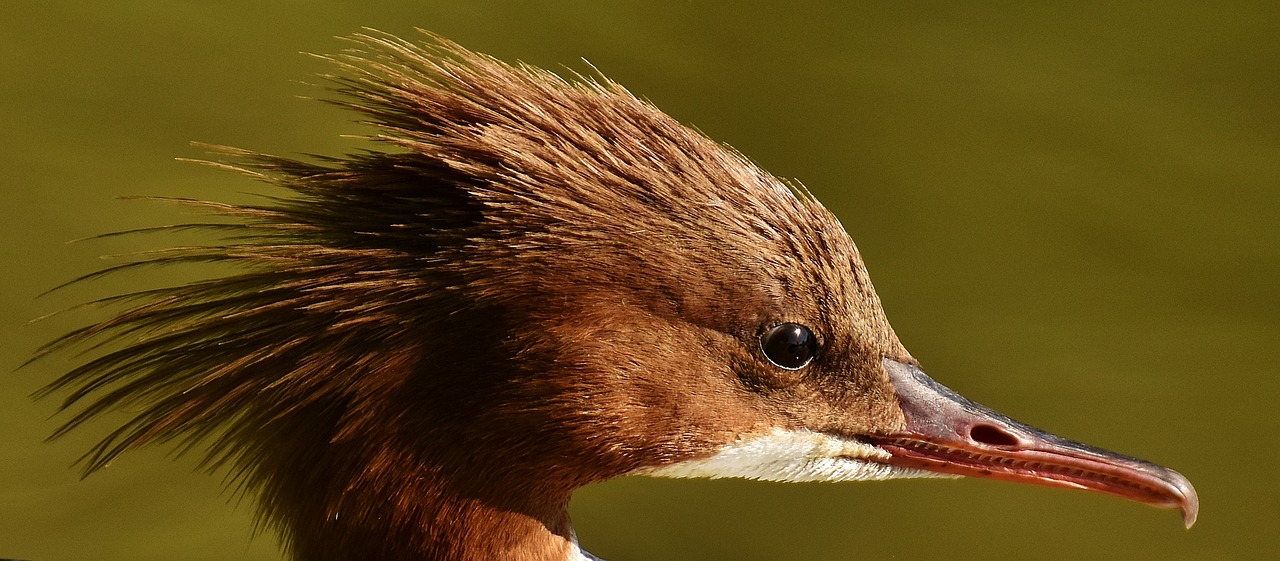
(1071, 214)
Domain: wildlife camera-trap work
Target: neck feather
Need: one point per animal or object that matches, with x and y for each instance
(381, 510)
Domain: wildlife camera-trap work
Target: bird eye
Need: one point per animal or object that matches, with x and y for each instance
(789, 345)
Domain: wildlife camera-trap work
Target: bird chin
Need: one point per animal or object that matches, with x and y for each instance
(793, 456)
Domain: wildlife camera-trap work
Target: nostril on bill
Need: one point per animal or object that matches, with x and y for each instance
(992, 435)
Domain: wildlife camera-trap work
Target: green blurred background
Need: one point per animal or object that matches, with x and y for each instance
(1072, 215)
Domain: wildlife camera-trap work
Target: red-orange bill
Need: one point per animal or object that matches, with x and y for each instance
(947, 433)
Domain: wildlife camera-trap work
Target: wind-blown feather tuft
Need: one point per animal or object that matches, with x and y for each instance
(505, 196)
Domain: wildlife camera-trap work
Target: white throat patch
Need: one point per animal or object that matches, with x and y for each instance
(793, 456)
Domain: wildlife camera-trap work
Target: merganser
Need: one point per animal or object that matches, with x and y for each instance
(536, 284)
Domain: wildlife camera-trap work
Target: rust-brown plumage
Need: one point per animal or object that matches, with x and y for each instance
(419, 321)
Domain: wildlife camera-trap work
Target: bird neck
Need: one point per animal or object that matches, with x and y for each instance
(387, 512)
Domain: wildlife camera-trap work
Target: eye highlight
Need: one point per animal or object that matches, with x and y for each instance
(789, 345)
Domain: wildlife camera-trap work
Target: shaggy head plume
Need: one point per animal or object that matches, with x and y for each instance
(522, 243)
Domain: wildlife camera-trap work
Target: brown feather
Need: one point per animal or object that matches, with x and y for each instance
(538, 283)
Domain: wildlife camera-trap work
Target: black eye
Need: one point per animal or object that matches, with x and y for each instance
(789, 345)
